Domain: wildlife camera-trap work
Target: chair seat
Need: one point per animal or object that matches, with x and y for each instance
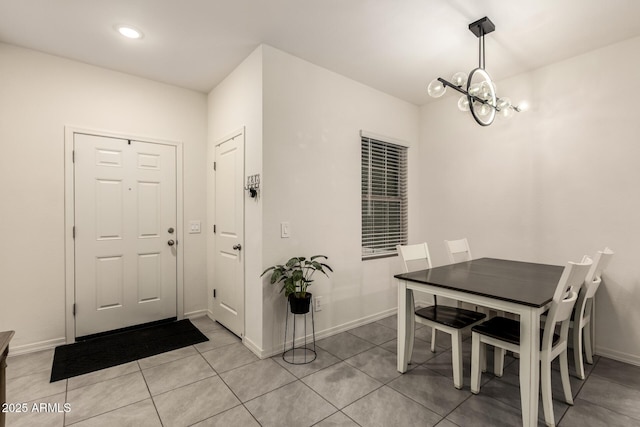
(505, 329)
(454, 317)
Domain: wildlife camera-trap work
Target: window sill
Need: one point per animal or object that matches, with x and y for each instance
(378, 256)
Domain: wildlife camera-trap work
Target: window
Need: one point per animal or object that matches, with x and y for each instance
(384, 197)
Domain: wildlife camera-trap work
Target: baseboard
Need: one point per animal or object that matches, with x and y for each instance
(36, 346)
(329, 332)
(631, 359)
(255, 349)
(195, 314)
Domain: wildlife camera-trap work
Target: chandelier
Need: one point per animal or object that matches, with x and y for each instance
(477, 89)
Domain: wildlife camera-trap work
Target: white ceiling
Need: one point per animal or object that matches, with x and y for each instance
(396, 46)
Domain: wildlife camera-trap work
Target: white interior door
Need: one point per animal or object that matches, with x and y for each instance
(125, 233)
(229, 238)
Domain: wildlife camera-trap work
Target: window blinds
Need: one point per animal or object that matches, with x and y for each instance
(384, 197)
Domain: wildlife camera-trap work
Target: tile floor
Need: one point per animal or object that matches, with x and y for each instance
(353, 382)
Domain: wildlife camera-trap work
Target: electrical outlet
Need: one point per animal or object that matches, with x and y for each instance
(317, 301)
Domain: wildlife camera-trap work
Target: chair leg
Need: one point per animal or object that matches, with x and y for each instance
(498, 361)
(412, 336)
(564, 374)
(588, 345)
(411, 339)
(547, 400)
(577, 350)
(478, 356)
(483, 357)
(433, 340)
(456, 359)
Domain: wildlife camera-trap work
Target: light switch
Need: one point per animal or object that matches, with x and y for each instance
(194, 227)
(285, 230)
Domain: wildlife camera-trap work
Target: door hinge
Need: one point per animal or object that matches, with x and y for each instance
(74, 309)
(214, 165)
(214, 228)
(214, 293)
(74, 231)
(73, 156)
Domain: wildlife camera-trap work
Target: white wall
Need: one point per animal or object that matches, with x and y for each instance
(233, 104)
(547, 186)
(551, 184)
(312, 173)
(302, 126)
(40, 95)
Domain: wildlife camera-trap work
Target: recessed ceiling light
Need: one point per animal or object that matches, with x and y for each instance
(129, 31)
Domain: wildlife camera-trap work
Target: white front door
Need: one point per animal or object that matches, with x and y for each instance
(228, 306)
(125, 233)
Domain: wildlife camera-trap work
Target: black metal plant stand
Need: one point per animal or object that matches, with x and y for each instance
(305, 353)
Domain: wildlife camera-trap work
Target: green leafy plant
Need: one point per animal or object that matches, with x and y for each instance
(296, 275)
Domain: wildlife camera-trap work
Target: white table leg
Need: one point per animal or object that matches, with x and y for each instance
(405, 325)
(529, 366)
(592, 329)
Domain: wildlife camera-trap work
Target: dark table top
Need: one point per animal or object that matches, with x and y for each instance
(5, 337)
(515, 281)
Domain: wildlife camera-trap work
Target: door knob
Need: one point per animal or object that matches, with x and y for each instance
(171, 243)
(237, 247)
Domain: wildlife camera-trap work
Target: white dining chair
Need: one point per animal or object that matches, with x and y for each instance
(581, 321)
(504, 334)
(458, 250)
(452, 320)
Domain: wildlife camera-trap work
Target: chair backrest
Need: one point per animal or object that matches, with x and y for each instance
(591, 283)
(564, 299)
(414, 257)
(458, 250)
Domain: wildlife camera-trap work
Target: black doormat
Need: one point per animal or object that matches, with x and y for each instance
(106, 351)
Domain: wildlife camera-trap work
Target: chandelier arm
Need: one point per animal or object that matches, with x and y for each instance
(464, 92)
(452, 86)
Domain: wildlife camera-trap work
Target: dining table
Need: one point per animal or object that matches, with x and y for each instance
(523, 288)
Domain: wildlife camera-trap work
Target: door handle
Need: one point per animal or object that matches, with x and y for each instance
(237, 247)
(171, 243)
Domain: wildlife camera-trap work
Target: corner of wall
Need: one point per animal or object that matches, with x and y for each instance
(237, 103)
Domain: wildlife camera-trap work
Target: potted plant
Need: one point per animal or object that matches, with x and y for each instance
(296, 275)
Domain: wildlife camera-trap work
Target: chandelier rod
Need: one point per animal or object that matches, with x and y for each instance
(464, 92)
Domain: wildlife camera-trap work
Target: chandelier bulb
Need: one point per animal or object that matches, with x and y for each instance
(485, 90)
(507, 112)
(474, 89)
(523, 106)
(463, 103)
(436, 89)
(483, 109)
(503, 103)
(459, 79)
